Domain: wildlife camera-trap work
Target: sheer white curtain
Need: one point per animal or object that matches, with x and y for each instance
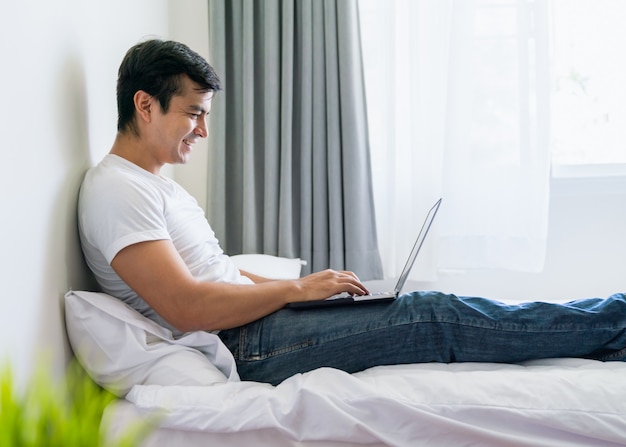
(457, 95)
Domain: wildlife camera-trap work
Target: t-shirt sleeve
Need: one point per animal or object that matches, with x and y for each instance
(117, 214)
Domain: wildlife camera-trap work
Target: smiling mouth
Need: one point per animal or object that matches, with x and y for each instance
(187, 142)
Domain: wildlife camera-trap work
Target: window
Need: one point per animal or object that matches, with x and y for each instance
(588, 101)
(511, 88)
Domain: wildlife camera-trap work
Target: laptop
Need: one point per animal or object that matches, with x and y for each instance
(379, 297)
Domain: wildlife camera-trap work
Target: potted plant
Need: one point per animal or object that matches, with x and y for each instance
(64, 414)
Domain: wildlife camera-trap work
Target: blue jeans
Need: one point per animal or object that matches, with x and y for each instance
(426, 327)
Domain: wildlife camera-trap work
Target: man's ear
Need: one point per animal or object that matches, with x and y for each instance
(143, 105)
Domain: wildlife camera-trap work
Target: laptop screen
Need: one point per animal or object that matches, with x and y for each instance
(417, 246)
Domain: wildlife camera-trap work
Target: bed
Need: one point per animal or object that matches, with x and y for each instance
(191, 386)
(549, 403)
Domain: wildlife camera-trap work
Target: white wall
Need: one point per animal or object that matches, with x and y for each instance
(58, 115)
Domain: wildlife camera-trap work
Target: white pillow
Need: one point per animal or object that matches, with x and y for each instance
(268, 266)
(120, 348)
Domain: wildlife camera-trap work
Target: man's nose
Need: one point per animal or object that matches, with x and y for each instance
(201, 129)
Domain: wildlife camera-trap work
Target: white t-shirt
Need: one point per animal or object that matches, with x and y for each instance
(121, 204)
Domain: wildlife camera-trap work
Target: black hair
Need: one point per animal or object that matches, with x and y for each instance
(156, 67)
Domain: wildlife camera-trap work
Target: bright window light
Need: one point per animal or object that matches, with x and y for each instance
(589, 82)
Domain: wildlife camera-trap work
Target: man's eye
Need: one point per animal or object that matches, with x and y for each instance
(195, 115)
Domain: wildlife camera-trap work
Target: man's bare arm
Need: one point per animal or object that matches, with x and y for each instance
(255, 278)
(156, 272)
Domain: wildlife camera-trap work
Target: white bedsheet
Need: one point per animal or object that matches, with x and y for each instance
(554, 402)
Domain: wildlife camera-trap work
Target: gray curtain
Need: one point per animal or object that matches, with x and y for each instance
(290, 165)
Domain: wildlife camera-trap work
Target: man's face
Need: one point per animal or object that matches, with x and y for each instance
(174, 133)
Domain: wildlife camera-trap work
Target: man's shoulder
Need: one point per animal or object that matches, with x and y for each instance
(111, 169)
(110, 176)
(112, 186)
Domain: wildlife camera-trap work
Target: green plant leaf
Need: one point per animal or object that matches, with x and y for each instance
(64, 414)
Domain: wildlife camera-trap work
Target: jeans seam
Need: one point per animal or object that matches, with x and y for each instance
(274, 353)
(242, 343)
(619, 355)
(256, 357)
(288, 349)
(510, 327)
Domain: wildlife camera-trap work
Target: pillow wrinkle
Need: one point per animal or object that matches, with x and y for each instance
(120, 348)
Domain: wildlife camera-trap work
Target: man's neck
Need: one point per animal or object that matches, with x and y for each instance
(132, 149)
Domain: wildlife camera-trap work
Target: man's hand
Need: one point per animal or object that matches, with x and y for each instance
(326, 283)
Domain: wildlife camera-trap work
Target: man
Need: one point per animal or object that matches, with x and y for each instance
(149, 244)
